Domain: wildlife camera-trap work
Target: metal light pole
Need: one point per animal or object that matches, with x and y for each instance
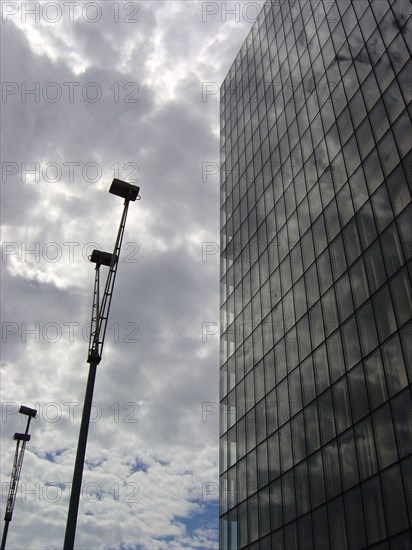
(15, 473)
(100, 315)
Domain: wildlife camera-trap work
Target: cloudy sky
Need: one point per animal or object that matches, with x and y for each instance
(92, 91)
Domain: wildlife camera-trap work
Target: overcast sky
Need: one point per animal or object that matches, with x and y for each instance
(93, 90)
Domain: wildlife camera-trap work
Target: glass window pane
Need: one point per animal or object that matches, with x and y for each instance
(259, 381)
(359, 283)
(342, 405)
(402, 414)
(264, 513)
(262, 465)
(261, 421)
(351, 156)
(382, 208)
(315, 204)
(350, 343)
(385, 318)
(299, 295)
(375, 378)
(402, 296)
(302, 488)
(251, 472)
(358, 393)
(333, 481)
(365, 442)
(253, 521)
(326, 416)
(354, 519)
(242, 524)
(308, 250)
(358, 188)
(285, 445)
(273, 456)
(319, 235)
(291, 349)
(392, 250)
(349, 463)
(394, 500)
(352, 242)
(241, 438)
(345, 205)
(280, 360)
(298, 438)
(276, 503)
(401, 129)
(344, 298)
(373, 506)
(308, 387)
(365, 139)
(332, 220)
(320, 363)
(269, 363)
(375, 267)
(405, 231)
(394, 101)
(394, 365)
(373, 171)
(312, 427)
(330, 312)
(317, 488)
(405, 334)
(312, 288)
(316, 325)
(250, 430)
(388, 153)
(370, 90)
(398, 190)
(336, 357)
(337, 524)
(367, 329)
(338, 259)
(320, 528)
(385, 437)
(288, 311)
(379, 120)
(366, 224)
(325, 272)
(288, 496)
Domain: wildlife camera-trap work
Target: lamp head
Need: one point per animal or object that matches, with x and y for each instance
(29, 412)
(21, 437)
(125, 190)
(101, 258)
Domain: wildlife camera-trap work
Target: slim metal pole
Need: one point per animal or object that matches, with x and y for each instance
(95, 353)
(78, 468)
(6, 528)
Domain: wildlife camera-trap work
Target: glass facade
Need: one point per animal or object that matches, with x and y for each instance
(316, 300)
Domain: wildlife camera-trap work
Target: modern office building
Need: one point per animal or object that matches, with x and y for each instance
(316, 165)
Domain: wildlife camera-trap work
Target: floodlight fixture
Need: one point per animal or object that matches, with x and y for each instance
(22, 437)
(101, 258)
(28, 411)
(125, 190)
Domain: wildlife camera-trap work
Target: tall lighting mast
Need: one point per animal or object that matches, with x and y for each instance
(100, 315)
(21, 440)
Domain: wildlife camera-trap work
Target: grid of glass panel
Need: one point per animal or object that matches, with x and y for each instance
(316, 371)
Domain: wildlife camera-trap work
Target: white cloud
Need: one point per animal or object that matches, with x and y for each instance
(155, 367)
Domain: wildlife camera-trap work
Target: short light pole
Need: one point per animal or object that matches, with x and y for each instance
(100, 315)
(21, 440)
